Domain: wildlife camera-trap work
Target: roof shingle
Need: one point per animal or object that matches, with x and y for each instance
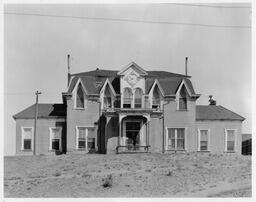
(44, 111)
(213, 112)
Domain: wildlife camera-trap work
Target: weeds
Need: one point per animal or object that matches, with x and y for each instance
(108, 181)
(57, 174)
(170, 173)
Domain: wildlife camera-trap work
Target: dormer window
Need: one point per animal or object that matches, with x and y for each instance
(138, 98)
(107, 98)
(156, 99)
(80, 97)
(127, 98)
(183, 105)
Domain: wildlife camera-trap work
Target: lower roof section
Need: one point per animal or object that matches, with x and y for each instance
(44, 111)
(214, 112)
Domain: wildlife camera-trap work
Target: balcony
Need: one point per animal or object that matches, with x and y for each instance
(132, 111)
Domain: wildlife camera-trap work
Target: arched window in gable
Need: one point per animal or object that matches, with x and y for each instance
(80, 97)
(138, 98)
(183, 104)
(156, 98)
(127, 98)
(107, 98)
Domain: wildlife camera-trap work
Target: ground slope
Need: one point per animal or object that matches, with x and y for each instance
(128, 175)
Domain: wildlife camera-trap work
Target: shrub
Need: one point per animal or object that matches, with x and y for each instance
(57, 174)
(170, 173)
(108, 181)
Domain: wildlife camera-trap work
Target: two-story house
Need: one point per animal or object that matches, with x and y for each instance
(128, 110)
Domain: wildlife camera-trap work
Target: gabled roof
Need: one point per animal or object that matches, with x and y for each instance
(213, 112)
(135, 66)
(169, 85)
(44, 111)
(94, 80)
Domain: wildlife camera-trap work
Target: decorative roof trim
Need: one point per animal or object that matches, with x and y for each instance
(77, 83)
(156, 82)
(183, 82)
(143, 72)
(110, 85)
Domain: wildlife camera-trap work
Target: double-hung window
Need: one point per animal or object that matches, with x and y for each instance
(55, 139)
(85, 139)
(230, 140)
(27, 138)
(203, 139)
(175, 139)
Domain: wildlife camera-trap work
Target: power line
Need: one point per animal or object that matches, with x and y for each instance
(129, 20)
(211, 6)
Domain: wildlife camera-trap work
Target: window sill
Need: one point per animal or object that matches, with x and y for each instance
(206, 151)
(79, 108)
(176, 150)
(230, 151)
(182, 110)
(27, 150)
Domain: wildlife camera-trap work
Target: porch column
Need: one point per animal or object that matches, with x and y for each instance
(147, 142)
(120, 130)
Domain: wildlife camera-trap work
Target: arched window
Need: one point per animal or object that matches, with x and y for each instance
(156, 98)
(138, 98)
(183, 99)
(127, 98)
(80, 96)
(107, 98)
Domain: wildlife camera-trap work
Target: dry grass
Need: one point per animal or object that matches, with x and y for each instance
(128, 175)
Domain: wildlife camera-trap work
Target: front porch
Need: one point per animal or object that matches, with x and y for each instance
(133, 133)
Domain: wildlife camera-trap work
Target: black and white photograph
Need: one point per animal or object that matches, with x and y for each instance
(128, 100)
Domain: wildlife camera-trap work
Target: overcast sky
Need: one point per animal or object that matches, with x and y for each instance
(35, 50)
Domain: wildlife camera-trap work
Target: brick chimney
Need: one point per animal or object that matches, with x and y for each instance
(211, 101)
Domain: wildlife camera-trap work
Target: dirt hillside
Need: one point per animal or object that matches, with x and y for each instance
(128, 175)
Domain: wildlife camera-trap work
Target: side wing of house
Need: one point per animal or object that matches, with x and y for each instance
(218, 130)
(50, 134)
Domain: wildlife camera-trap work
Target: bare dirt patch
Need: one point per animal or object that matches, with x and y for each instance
(128, 175)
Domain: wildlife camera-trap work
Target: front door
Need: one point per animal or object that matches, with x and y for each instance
(132, 134)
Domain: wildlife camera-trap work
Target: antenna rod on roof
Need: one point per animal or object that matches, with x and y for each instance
(69, 75)
(186, 66)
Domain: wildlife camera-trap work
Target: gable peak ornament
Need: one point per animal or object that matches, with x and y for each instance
(131, 78)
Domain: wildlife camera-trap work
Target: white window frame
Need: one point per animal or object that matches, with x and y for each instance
(199, 140)
(22, 138)
(183, 83)
(161, 94)
(75, 94)
(102, 93)
(226, 143)
(51, 137)
(86, 137)
(132, 98)
(142, 97)
(176, 135)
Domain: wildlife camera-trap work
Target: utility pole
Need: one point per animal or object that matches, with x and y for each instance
(36, 113)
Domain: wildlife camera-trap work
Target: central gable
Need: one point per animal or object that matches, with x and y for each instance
(132, 69)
